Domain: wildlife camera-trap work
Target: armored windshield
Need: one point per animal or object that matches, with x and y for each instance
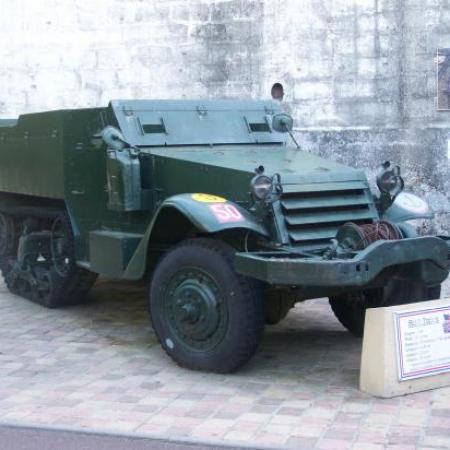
(190, 122)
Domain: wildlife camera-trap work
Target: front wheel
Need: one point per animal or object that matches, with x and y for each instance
(205, 315)
(350, 308)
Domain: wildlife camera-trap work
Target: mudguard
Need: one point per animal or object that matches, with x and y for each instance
(408, 206)
(207, 213)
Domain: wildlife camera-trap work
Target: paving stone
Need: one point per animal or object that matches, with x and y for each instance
(290, 411)
(270, 439)
(254, 417)
(264, 409)
(300, 443)
(240, 436)
(440, 412)
(367, 446)
(340, 434)
(308, 431)
(333, 444)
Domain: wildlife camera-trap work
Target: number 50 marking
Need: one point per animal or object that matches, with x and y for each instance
(226, 213)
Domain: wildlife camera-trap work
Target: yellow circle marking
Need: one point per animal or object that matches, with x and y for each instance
(207, 198)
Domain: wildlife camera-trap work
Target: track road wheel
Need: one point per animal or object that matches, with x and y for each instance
(205, 315)
(350, 309)
(8, 239)
(51, 277)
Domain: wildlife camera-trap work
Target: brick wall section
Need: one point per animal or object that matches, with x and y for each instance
(359, 74)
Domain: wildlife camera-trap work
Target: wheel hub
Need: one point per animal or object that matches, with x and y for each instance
(194, 308)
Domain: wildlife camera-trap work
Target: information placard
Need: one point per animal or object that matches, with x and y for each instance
(423, 342)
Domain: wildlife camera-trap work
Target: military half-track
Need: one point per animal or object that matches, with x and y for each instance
(208, 201)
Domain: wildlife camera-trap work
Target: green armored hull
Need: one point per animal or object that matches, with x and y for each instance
(208, 200)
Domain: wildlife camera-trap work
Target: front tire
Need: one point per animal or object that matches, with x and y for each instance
(350, 308)
(205, 315)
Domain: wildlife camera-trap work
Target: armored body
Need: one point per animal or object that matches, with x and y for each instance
(209, 203)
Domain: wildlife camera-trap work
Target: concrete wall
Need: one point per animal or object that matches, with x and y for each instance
(359, 75)
(66, 53)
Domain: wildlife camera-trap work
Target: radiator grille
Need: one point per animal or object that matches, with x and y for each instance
(313, 213)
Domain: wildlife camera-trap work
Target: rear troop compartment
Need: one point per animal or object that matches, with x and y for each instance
(31, 155)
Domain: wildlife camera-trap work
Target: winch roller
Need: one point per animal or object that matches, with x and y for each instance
(353, 237)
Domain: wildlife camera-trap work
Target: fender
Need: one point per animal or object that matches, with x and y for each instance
(207, 213)
(408, 206)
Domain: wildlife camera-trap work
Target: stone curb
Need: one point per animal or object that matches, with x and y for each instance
(192, 443)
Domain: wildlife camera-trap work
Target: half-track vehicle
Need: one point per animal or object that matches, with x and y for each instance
(211, 204)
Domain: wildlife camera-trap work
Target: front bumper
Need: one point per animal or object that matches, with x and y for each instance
(425, 259)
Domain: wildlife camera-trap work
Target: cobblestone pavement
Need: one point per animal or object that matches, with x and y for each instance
(98, 367)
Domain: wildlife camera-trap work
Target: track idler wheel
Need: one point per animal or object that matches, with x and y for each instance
(47, 286)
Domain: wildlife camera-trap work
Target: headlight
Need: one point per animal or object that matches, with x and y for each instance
(387, 183)
(261, 187)
(389, 180)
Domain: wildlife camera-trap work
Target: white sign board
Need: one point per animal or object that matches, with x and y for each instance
(423, 342)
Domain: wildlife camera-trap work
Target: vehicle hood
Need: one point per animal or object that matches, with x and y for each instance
(294, 166)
